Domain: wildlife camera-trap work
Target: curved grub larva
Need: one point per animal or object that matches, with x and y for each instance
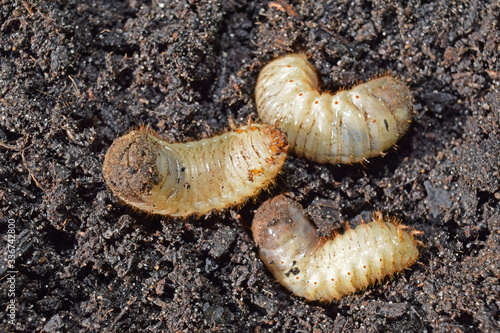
(349, 126)
(181, 179)
(324, 270)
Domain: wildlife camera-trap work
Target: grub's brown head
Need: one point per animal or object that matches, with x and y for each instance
(279, 141)
(130, 166)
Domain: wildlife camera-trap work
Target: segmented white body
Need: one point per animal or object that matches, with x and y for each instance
(324, 270)
(180, 179)
(346, 127)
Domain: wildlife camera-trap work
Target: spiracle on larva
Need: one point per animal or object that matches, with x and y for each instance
(181, 179)
(327, 269)
(347, 127)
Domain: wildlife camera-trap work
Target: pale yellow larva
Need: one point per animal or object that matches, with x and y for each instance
(349, 126)
(324, 270)
(181, 179)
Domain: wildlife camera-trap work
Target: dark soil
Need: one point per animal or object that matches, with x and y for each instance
(75, 75)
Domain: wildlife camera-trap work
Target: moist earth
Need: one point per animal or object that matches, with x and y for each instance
(76, 75)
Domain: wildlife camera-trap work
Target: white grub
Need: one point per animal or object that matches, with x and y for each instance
(327, 269)
(181, 179)
(347, 127)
